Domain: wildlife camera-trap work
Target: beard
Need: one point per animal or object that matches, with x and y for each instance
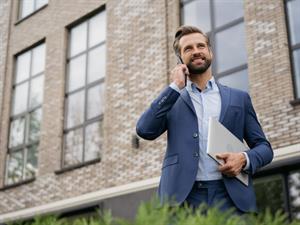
(199, 69)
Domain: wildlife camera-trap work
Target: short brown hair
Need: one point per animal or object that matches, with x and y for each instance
(184, 30)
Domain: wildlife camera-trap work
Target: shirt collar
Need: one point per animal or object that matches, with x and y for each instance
(192, 87)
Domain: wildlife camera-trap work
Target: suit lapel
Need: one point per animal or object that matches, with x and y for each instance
(187, 99)
(225, 99)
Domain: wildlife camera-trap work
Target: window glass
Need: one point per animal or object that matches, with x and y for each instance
(36, 91)
(78, 39)
(15, 167)
(294, 22)
(27, 7)
(73, 147)
(35, 125)
(38, 59)
(40, 3)
(17, 132)
(228, 10)
(20, 98)
(95, 101)
(77, 70)
(296, 63)
(23, 67)
(93, 141)
(26, 115)
(31, 162)
(269, 193)
(75, 109)
(84, 97)
(96, 62)
(294, 191)
(237, 80)
(197, 13)
(231, 48)
(97, 29)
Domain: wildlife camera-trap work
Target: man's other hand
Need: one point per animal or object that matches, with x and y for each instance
(233, 163)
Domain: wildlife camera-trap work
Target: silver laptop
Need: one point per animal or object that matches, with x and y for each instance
(222, 140)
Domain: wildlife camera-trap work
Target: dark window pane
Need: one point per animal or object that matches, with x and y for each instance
(228, 10)
(36, 91)
(20, 98)
(269, 193)
(231, 48)
(77, 71)
(17, 132)
(197, 13)
(96, 64)
(296, 62)
(93, 140)
(31, 161)
(294, 22)
(35, 125)
(95, 101)
(38, 59)
(237, 80)
(75, 109)
(73, 147)
(14, 167)
(294, 189)
(97, 29)
(78, 39)
(23, 67)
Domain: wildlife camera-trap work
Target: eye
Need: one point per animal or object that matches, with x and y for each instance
(187, 49)
(201, 46)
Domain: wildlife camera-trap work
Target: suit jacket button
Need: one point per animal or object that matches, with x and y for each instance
(195, 135)
(196, 154)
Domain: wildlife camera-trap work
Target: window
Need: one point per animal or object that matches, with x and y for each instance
(227, 33)
(293, 9)
(84, 105)
(27, 7)
(26, 115)
(270, 193)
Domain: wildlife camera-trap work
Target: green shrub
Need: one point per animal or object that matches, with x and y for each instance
(152, 213)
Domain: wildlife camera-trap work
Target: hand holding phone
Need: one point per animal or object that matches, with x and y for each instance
(180, 61)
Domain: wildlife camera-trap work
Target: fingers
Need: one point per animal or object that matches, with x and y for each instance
(223, 156)
(232, 164)
(178, 75)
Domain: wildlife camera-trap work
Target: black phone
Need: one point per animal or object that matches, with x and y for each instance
(179, 61)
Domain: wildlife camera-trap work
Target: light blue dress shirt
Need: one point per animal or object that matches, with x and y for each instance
(207, 103)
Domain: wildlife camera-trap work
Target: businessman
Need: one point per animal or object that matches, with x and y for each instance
(182, 109)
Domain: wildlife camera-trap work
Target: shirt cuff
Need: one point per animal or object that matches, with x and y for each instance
(175, 87)
(248, 161)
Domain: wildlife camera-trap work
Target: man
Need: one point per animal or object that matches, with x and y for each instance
(182, 109)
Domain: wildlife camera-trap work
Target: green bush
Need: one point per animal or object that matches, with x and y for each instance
(152, 213)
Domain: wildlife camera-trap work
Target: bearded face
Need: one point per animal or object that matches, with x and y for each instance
(196, 53)
(199, 63)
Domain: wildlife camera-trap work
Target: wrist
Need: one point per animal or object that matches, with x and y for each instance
(179, 84)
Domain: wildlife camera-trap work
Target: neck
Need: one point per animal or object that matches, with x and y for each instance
(201, 79)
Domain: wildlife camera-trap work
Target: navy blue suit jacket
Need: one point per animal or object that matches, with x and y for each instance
(175, 113)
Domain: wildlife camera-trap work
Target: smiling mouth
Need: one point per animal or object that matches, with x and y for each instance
(198, 60)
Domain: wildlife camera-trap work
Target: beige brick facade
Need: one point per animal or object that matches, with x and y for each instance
(139, 56)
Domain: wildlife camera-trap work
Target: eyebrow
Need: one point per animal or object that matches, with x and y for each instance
(198, 43)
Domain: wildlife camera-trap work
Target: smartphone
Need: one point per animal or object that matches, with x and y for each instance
(179, 61)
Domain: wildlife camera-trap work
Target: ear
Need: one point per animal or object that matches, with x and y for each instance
(211, 52)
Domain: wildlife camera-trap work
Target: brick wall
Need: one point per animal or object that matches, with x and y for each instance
(136, 72)
(269, 71)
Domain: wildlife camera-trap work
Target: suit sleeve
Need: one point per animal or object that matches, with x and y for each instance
(260, 153)
(153, 121)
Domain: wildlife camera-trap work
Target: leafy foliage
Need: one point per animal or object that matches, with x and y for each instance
(153, 213)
